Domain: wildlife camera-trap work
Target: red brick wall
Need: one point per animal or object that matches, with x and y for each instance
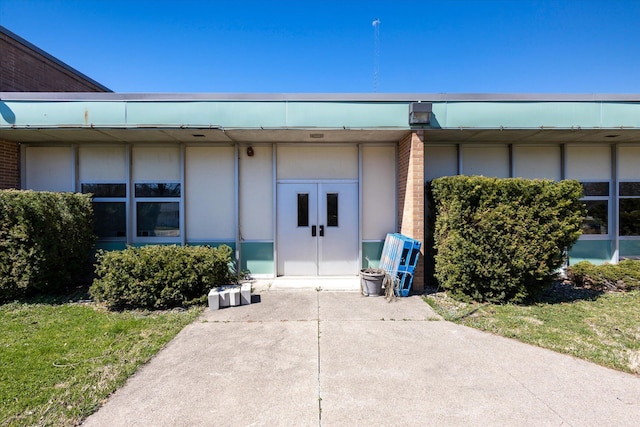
(23, 69)
(9, 165)
(411, 197)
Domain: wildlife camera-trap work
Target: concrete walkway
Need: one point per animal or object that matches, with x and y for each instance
(308, 358)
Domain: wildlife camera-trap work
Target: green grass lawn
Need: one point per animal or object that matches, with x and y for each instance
(602, 328)
(58, 362)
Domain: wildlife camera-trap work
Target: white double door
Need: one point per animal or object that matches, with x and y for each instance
(317, 229)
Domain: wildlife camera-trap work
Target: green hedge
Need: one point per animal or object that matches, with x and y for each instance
(622, 276)
(46, 241)
(159, 277)
(501, 240)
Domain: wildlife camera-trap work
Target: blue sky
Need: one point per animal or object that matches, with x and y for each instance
(425, 46)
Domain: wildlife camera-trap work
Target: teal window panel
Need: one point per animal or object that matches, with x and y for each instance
(594, 251)
(257, 257)
(371, 253)
(629, 248)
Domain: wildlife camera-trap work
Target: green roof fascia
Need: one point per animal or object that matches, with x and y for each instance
(530, 115)
(278, 113)
(223, 114)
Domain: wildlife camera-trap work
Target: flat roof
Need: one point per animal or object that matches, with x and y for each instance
(320, 97)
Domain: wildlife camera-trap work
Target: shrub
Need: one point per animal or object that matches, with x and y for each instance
(158, 277)
(622, 276)
(46, 241)
(501, 240)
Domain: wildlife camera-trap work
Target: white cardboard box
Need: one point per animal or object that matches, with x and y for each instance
(214, 299)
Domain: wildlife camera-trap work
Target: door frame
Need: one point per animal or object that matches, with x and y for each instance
(320, 181)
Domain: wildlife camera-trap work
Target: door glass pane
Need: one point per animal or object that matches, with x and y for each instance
(303, 210)
(597, 219)
(332, 209)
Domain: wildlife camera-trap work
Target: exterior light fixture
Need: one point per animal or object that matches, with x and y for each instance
(420, 113)
(316, 135)
(250, 151)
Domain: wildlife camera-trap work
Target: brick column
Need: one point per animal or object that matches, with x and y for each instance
(411, 197)
(9, 165)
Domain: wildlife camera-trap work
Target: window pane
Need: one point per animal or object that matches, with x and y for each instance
(332, 209)
(597, 219)
(158, 219)
(158, 190)
(630, 189)
(110, 219)
(630, 217)
(303, 210)
(105, 190)
(595, 188)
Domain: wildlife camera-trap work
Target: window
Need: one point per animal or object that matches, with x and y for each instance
(332, 209)
(596, 199)
(629, 209)
(109, 208)
(157, 209)
(303, 210)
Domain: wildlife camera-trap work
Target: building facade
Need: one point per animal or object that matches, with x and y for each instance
(309, 185)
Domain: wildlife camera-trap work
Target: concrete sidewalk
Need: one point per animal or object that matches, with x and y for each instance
(307, 358)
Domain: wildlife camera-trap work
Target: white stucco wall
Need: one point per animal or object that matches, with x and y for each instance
(485, 160)
(536, 161)
(256, 193)
(49, 169)
(317, 162)
(378, 191)
(209, 193)
(106, 164)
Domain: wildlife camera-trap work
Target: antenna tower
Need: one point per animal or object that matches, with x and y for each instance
(376, 52)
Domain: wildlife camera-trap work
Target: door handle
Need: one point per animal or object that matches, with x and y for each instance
(322, 231)
(313, 231)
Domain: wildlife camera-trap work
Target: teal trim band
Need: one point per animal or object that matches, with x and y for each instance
(111, 246)
(232, 245)
(629, 248)
(371, 253)
(257, 257)
(594, 251)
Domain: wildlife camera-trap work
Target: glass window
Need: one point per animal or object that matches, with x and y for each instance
(629, 209)
(630, 189)
(109, 209)
(158, 190)
(597, 219)
(332, 209)
(303, 210)
(158, 219)
(596, 200)
(630, 217)
(110, 219)
(595, 188)
(105, 190)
